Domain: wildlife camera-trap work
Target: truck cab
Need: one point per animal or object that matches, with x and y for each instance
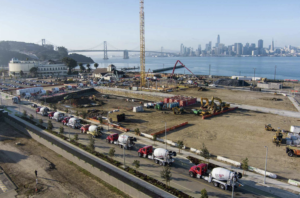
(65, 120)
(112, 138)
(50, 115)
(84, 128)
(145, 151)
(198, 170)
(293, 151)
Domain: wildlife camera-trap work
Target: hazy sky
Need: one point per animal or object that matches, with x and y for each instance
(83, 24)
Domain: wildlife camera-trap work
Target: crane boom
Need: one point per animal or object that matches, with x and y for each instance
(142, 44)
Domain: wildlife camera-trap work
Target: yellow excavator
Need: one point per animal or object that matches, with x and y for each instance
(277, 138)
(268, 127)
(206, 102)
(222, 105)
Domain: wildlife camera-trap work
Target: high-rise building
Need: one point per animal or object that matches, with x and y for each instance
(218, 39)
(272, 46)
(181, 49)
(260, 46)
(199, 48)
(209, 45)
(239, 49)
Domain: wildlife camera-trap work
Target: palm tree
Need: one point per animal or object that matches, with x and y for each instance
(21, 73)
(82, 68)
(96, 65)
(88, 66)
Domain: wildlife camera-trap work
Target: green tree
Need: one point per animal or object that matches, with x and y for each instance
(31, 117)
(203, 193)
(41, 121)
(179, 145)
(245, 165)
(136, 164)
(137, 131)
(205, 153)
(61, 130)
(77, 114)
(81, 67)
(33, 71)
(92, 143)
(83, 114)
(21, 73)
(63, 52)
(96, 65)
(100, 120)
(111, 152)
(50, 125)
(70, 63)
(166, 174)
(76, 137)
(24, 113)
(67, 110)
(154, 138)
(54, 108)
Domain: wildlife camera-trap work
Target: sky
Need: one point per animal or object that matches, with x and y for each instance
(84, 24)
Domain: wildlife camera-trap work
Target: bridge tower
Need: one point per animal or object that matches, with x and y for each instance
(125, 54)
(43, 42)
(142, 43)
(105, 51)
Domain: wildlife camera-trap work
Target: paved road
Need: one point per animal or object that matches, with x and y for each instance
(180, 178)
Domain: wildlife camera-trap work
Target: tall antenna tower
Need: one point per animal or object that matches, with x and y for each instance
(142, 43)
(105, 51)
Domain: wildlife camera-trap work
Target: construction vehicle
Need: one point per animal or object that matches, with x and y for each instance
(178, 110)
(50, 114)
(123, 140)
(220, 177)
(206, 102)
(293, 150)
(268, 127)
(65, 120)
(58, 116)
(16, 100)
(202, 89)
(200, 112)
(277, 138)
(161, 156)
(74, 123)
(94, 130)
(222, 105)
(84, 128)
(42, 110)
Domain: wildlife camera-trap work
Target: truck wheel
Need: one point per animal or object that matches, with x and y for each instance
(191, 174)
(290, 153)
(156, 161)
(161, 163)
(216, 184)
(222, 186)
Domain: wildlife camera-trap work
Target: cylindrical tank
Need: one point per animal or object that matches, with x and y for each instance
(161, 153)
(56, 114)
(123, 139)
(72, 120)
(222, 173)
(93, 128)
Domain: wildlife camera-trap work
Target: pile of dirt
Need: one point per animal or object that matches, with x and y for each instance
(231, 82)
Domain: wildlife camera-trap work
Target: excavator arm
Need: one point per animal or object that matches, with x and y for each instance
(206, 102)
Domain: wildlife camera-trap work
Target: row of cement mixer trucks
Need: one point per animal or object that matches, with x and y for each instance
(219, 177)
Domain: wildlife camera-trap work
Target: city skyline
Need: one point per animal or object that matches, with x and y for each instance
(86, 24)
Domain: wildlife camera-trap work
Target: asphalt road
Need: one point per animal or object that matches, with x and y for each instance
(180, 177)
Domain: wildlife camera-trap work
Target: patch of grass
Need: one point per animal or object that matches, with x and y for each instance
(6, 109)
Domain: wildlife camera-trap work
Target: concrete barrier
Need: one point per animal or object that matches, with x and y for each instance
(237, 164)
(262, 172)
(193, 149)
(294, 182)
(147, 135)
(93, 168)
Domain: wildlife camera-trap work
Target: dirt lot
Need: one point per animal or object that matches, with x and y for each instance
(236, 135)
(242, 97)
(57, 177)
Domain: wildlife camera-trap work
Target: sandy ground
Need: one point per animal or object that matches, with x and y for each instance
(236, 135)
(242, 97)
(57, 177)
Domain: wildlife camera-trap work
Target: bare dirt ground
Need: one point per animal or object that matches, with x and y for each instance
(242, 97)
(57, 177)
(236, 135)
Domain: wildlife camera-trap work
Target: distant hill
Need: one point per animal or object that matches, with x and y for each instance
(81, 58)
(14, 49)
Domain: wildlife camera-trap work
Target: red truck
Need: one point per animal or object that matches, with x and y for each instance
(112, 138)
(84, 128)
(65, 120)
(50, 115)
(200, 169)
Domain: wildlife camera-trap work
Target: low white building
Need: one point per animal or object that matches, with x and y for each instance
(104, 72)
(46, 68)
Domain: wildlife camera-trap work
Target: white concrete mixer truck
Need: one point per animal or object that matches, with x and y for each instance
(58, 116)
(43, 111)
(74, 123)
(161, 156)
(122, 140)
(94, 130)
(220, 177)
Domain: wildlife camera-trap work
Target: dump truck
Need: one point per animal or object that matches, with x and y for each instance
(293, 151)
(161, 156)
(74, 123)
(123, 140)
(58, 116)
(220, 177)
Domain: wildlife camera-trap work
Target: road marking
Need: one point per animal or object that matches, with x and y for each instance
(2, 186)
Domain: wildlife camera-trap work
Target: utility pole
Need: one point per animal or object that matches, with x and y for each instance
(266, 165)
(275, 72)
(124, 156)
(209, 69)
(166, 134)
(254, 75)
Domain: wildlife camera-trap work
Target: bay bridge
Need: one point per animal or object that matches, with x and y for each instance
(112, 49)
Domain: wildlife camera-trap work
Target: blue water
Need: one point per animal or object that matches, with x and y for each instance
(287, 67)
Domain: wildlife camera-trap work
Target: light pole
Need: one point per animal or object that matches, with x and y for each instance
(124, 156)
(166, 134)
(254, 74)
(209, 70)
(232, 186)
(266, 164)
(275, 72)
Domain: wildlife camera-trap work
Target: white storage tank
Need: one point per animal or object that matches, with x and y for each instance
(222, 173)
(163, 153)
(93, 128)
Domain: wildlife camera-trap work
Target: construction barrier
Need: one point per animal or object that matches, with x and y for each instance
(237, 164)
(272, 175)
(169, 129)
(218, 113)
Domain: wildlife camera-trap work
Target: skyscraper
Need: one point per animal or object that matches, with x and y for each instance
(260, 46)
(181, 49)
(218, 41)
(239, 49)
(272, 46)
